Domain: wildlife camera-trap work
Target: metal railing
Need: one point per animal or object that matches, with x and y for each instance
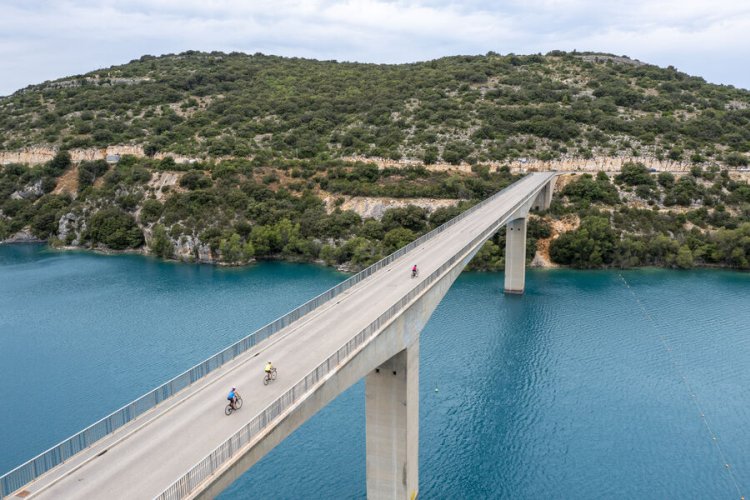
(185, 485)
(61, 452)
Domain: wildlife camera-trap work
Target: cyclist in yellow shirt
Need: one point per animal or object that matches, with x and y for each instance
(270, 373)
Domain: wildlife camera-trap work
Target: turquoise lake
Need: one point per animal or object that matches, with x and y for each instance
(605, 384)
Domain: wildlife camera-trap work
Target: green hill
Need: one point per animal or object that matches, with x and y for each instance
(463, 108)
(273, 153)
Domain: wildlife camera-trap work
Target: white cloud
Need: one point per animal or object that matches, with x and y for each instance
(50, 39)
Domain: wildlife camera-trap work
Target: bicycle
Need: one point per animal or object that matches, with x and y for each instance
(269, 376)
(237, 405)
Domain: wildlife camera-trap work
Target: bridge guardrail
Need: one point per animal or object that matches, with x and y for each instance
(185, 485)
(32, 469)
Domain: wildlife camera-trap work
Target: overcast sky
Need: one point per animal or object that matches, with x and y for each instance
(45, 39)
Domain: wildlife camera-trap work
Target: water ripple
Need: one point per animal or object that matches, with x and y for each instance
(569, 391)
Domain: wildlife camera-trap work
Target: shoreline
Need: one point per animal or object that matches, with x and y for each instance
(343, 268)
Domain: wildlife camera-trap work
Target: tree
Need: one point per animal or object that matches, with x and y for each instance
(232, 250)
(735, 159)
(397, 238)
(430, 155)
(591, 245)
(114, 228)
(89, 171)
(410, 217)
(635, 174)
(151, 211)
(59, 164)
(47, 217)
(684, 258)
(666, 180)
(586, 190)
(160, 243)
(195, 180)
(150, 150)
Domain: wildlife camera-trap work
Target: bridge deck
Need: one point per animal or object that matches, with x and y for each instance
(145, 456)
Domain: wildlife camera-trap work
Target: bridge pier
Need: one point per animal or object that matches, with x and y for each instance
(515, 240)
(515, 256)
(392, 426)
(544, 198)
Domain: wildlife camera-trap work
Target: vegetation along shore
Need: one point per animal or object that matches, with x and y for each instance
(227, 158)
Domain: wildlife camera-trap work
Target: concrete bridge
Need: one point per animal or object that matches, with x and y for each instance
(175, 442)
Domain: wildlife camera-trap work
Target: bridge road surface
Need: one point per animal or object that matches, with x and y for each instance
(144, 457)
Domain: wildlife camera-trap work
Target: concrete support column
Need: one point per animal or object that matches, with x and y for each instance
(544, 198)
(392, 412)
(515, 256)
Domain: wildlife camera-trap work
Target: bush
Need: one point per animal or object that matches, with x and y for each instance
(195, 180)
(59, 164)
(635, 174)
(586, 190)
(115, 229)
(151, 211)
(397, 238)
(161, 245)
(411, 217)
(666, 179)
(233, 251)
(735, 159)
(591, 245)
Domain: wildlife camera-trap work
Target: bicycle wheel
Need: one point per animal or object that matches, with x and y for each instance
(238, 403)
(266, 379)
(228, 410)
(273, 374)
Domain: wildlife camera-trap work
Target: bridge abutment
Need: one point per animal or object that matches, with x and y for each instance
(515, 256)
(392, 426)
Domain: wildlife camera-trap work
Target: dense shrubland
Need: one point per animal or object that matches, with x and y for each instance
(235, 208)
(234, 211)
(454, 109)
(276, 135)
(699, 219)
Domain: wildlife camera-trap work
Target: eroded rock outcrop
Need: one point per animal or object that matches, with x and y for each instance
(374, 207)
(191, 248)
(29, 192)
(23, 236)
(70, 228)
(37, 155)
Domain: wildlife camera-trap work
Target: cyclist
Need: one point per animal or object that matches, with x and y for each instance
(232, 397)
(268, 369)
(414, 271)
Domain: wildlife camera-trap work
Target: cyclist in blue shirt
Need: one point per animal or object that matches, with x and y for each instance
(232, 397)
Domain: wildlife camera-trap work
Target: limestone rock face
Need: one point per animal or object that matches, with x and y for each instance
(29, 192)
(23, 236)
(375, 207)
(191, 248)
(37, 155)
(70, 228)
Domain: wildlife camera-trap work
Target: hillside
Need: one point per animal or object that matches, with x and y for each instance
(226, 158)
(454, 109)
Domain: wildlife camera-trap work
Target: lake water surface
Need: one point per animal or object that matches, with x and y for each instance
(591, 385)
